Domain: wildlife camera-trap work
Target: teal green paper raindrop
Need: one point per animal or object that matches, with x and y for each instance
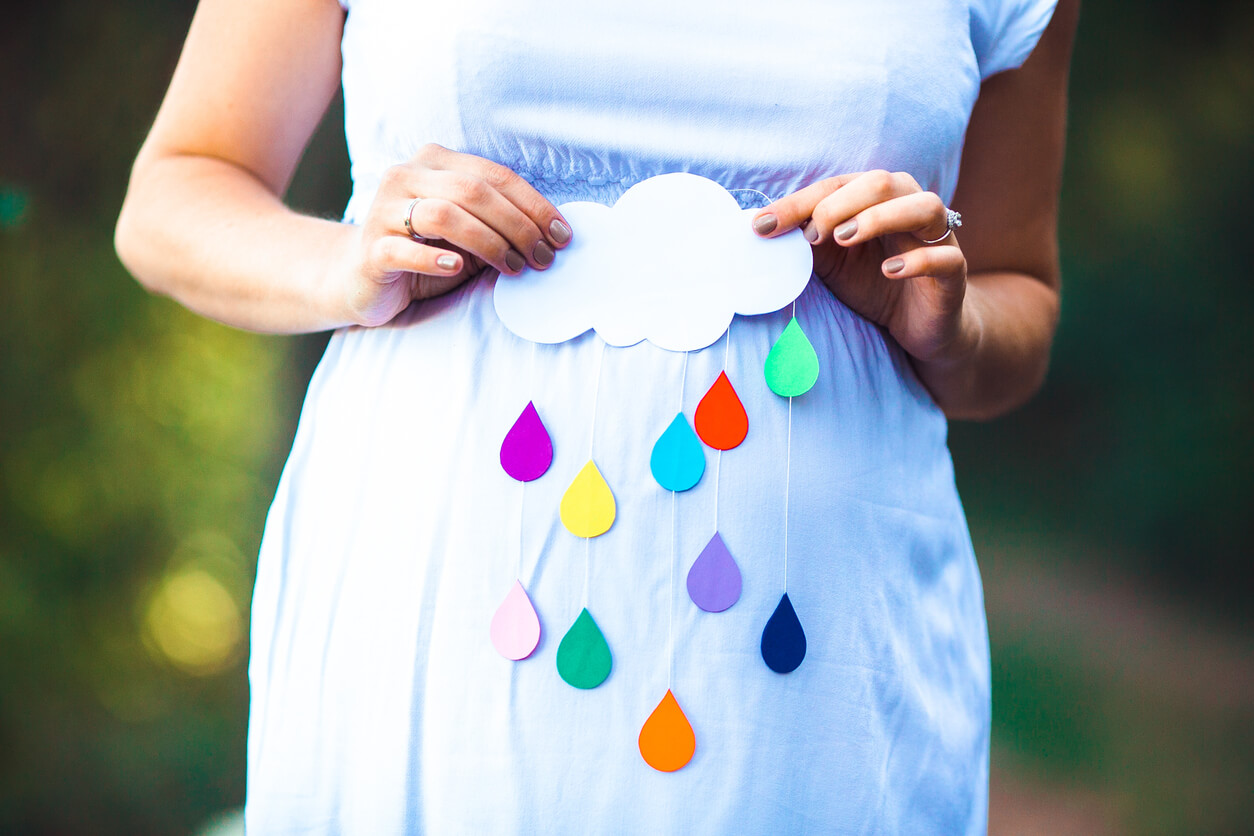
(583, 657)
(792, 367)
(678, 458)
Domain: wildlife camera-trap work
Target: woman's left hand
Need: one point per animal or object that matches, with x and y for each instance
(868, 232)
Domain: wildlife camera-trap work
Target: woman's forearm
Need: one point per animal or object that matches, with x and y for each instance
(215, 238)
(1002, 356)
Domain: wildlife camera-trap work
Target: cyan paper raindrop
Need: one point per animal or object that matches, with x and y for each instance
(783, 640)
(583, 657)
(714, 579)
(792, 367)
(678, 459)
(527, 450)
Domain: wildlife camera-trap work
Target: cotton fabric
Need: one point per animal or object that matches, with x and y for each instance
(378, 704)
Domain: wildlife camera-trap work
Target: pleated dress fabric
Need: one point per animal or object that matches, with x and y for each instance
(378, 702)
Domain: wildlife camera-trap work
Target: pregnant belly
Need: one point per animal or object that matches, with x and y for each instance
(396, 534)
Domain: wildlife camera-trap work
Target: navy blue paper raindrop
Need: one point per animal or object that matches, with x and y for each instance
(783, 640)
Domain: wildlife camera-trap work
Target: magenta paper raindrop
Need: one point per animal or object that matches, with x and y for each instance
(714, 579)
(516, 626)
(678, 460)
(783, 640)
(527, 450)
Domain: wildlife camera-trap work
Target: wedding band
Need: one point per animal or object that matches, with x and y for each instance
(409, 220)
(952, 221)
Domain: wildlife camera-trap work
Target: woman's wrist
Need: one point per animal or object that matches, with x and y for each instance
(1000, 354)
(949, 374)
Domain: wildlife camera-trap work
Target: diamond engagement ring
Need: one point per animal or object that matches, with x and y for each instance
(952, 221)
(409, 220)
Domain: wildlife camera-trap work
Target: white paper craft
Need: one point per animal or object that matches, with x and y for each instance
(671, 262)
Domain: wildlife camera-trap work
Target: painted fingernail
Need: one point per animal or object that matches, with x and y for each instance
(447, 262)
(560, 231)
(811, 232)
(514, 261)
(542, 254)
(894, 265)
(765, 224)
(846, 230)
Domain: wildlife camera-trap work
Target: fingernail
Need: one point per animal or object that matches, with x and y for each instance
(811, 232)
(514, 261)
(765, 224)
(894, 265)
(542, 254)
(846, 230)
(447, 262)
(559, 231)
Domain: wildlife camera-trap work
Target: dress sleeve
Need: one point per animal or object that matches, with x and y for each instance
(1004, 32)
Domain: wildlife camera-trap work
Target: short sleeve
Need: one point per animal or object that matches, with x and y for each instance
(1004, 32)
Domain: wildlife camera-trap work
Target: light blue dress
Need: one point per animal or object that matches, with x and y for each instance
(379, 705)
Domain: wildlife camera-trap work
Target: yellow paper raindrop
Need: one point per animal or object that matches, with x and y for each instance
(587, 507)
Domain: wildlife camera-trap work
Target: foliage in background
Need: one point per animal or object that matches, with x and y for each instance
(141, 445)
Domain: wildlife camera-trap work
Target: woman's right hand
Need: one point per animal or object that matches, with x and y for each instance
(472, 214)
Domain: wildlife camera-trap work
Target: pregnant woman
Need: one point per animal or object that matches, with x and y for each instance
(379, 704)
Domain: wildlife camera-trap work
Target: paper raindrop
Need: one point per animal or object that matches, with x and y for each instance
(666, 739)
(714, 579)
(792, 367)
(515, 626)
(583, 657)
(720, 418)
(587, 508)
(678, 459)
(783, 640)
(527, 450)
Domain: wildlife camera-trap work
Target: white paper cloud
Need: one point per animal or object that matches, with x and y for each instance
(671, 262)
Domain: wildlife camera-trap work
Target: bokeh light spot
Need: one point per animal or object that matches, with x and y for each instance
(193, 622)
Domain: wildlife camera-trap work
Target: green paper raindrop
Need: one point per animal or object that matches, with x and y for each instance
(583, 657)
(792, 367)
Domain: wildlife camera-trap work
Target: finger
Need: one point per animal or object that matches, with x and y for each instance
(543, 214)
(920, 214)
(391, 254)
(435, 217)
(788, 213)
(945, 262)
(494, 209)
(834, 217)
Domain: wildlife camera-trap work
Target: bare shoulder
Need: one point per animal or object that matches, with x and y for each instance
(1011, 172)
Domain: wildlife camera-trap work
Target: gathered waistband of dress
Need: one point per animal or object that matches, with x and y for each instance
(563, 188)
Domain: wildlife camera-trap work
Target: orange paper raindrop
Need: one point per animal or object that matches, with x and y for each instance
(721, 419)
(666, 740)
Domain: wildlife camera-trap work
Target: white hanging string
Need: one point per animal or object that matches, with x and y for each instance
(522, 498)
(587, 541)
(670, 610)
(670, 606)
(788, 477)
(718, 459)
(522, 493)
(787, 491)
(596, 397)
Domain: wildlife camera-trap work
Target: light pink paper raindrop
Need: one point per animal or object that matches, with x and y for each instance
(516, 626)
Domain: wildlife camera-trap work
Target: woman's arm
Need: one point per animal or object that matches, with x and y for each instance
(976, 320)
(203, 220)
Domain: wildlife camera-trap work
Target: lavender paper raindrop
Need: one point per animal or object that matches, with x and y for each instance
(714, 580)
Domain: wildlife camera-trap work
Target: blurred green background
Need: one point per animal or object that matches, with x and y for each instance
(140, 446)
